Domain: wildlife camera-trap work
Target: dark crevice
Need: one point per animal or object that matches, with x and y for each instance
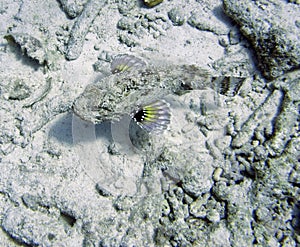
(69, 219)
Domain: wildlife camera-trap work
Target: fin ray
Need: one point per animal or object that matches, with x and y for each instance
(154, 117)
(124, 62)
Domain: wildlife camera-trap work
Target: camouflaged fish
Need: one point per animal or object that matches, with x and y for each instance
(136, 89)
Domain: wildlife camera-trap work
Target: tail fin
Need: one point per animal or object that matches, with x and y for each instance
(228, 86)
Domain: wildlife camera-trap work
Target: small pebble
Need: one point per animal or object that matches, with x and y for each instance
(234, 37)
(213, 216)
(96, 47)
(217, 174)
(152, 3)
(176, 16)
(223, 41)
(102, 191)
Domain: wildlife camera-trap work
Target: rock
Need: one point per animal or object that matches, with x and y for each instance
(213, 216)
(81, 28)
(217, 174)
(273, 34)
(152, 3)
(132, 27)
(72, 8)
(206, 20)
(30, 46)
(176, 16)
(18, 90)
(35, 228)
(220, 236)
(197, 208)
(198, 179)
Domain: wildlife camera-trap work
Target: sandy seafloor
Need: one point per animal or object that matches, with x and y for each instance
(226, 173)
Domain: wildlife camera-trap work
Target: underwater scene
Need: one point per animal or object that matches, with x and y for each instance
(150, 123)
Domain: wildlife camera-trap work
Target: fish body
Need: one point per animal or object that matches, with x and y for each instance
(131, 87)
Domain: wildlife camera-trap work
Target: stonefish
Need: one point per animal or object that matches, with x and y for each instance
(137, 89)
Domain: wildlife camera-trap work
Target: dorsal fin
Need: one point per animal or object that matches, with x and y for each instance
(126, 62)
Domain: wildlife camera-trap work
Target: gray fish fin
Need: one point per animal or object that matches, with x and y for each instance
(125, 62)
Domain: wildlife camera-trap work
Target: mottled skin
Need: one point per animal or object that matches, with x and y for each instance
(123, 93)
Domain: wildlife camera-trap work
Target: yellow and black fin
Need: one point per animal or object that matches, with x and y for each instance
(154, 118)
(126, 62)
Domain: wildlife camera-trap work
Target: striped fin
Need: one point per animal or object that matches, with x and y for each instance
(154, 118)
(126, 62)
(228, 86)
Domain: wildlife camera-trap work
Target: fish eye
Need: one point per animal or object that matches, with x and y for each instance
(186, 86)
(104, 106)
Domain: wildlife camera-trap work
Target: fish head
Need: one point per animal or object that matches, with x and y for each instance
(96, 105)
